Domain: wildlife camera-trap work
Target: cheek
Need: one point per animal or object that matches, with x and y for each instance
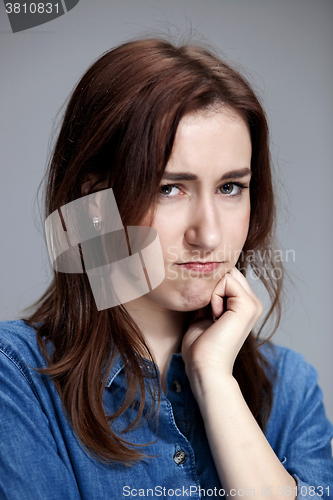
(243, 228)
(236, 233)
(170, 231)
(163, 226)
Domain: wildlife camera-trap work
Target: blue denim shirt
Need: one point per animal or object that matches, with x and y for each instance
(42, 459)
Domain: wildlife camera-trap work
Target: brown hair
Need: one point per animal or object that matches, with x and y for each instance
(118, 129)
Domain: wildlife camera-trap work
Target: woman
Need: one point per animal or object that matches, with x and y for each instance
(170, 393)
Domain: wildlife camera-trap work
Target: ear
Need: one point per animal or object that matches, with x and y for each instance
(89, 182)
(85, 188)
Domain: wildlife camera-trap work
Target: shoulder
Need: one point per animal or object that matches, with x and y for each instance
(288, 365)
(298, 413)
(295, 381)
(18, 336)
(19, 348)
(34, 431)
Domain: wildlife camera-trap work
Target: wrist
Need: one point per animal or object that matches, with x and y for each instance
(211, 384)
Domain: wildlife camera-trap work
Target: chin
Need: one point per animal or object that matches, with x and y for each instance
(194, 303)
(194, 297)
(183, 296)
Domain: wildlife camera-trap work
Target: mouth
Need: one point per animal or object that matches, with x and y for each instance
(201, 267)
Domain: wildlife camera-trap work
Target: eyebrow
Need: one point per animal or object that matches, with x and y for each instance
(183, 176)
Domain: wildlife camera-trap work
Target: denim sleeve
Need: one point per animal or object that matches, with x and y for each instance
(30, 465)
(308, 452)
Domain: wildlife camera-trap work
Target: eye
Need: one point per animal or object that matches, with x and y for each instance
(232, 188)
(168, 190)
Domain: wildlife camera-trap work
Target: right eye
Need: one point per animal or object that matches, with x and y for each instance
(167, 190)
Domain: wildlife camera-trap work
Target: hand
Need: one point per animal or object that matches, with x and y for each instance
(211, 347)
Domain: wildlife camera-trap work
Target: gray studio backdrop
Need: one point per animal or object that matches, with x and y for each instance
(284, 46)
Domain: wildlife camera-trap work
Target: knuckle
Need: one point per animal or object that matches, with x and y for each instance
(260, 306)
(256, 308)
(260, 309)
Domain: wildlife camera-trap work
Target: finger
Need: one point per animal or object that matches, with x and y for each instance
(221, 293)
(218, 295)
(237, 297)
(235, 273)
(217, 305)
(242, 280)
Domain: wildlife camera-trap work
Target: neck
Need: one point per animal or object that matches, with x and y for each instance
(162, 328)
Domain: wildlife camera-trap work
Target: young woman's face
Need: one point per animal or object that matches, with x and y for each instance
(203, 209)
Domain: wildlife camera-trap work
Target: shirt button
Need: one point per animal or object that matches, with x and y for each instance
(180, 457)
(177, 386)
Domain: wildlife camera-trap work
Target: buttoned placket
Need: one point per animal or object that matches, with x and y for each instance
(179, 429)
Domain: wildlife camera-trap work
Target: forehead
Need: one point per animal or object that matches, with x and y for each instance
(210, 140)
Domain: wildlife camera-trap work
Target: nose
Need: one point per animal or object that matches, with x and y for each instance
(204, 227)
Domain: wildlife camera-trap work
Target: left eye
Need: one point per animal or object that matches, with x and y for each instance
(230, 188)
(168, 189)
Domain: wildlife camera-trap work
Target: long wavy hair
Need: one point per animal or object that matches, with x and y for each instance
(118, 131)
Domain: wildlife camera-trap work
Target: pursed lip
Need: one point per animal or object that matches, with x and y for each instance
(198, 262)
(205, 267)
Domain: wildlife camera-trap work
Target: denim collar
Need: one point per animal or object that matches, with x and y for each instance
(118, 365)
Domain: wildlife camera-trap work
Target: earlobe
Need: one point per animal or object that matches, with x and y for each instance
(88, 188)
(97, 208)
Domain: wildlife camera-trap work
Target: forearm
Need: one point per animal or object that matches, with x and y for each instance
(243, 457)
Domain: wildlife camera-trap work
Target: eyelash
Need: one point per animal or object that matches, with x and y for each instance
(240, 185)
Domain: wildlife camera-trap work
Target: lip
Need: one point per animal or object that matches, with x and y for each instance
(202, 267)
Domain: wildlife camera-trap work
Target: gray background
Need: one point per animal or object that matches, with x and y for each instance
(285, 48)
